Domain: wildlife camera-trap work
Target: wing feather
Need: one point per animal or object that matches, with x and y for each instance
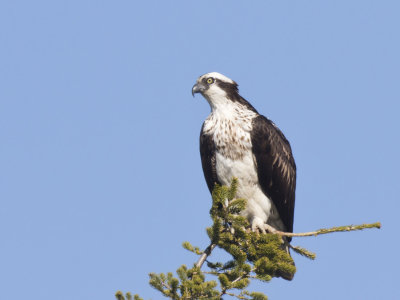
(275, 167)
(208, 159)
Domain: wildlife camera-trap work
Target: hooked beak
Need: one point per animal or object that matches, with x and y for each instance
(198, 88)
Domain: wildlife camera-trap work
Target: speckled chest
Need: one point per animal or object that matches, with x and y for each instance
(230, 132)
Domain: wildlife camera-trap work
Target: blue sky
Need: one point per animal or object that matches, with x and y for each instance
(100, 175)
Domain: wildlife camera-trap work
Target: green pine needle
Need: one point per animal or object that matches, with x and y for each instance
(252, 255)
(304, 252)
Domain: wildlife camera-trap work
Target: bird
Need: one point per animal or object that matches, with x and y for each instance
(237, 141)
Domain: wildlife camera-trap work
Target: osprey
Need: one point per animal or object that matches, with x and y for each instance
(236, 141)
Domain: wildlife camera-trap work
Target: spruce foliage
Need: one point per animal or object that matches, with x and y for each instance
(254, 256)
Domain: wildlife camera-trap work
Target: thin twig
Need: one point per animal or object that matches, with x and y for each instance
(324, 230)
(234, 295)
(166, 285)
(242, 276)
(211, 273)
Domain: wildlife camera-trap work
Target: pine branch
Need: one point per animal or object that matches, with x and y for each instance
(205, 254)
(253, 255)
(297, 249)
(303, 252)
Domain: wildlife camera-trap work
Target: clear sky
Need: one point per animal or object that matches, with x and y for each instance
(100, 174)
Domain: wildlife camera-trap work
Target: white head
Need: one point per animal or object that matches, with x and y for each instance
(220, 91)
(216, 88)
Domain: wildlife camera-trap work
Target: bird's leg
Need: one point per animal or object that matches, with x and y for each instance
(257, 224)
(269, 228)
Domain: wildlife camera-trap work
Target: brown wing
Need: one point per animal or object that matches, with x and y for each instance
(208, 160)
(275, 167)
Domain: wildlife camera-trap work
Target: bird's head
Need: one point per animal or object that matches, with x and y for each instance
(217, 89)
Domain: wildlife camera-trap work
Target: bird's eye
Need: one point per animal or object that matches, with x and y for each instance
(210, 80)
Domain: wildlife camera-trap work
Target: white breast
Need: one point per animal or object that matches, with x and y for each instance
(234, 158)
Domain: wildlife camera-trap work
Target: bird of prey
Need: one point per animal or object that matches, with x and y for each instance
(236, 141)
